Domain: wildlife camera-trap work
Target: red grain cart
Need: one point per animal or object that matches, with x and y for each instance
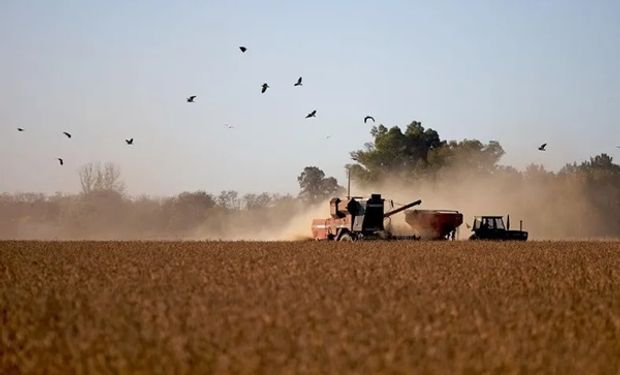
(434, 224)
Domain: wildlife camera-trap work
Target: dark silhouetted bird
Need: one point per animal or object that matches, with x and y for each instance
(61, 161)
(243, 49)
(298, 83)
(20, 129)
(67, 134)
(129, 141)
(542, 147)
(311, 114)
(265, 86)
(369, 118)
(191, 99)
(328, 137)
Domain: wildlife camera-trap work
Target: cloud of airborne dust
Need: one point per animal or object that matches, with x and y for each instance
(550, 208)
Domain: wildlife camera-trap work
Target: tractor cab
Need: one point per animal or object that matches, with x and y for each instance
(493, 228)
(489, 223)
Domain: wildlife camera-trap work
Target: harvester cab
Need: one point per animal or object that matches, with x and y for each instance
(493, 228)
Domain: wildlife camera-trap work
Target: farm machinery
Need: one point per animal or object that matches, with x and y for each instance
(493, 228)
(358, 218)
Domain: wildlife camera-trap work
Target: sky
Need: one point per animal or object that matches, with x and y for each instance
(519, 72)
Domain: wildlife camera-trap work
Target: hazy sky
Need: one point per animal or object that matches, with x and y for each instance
(520, 72)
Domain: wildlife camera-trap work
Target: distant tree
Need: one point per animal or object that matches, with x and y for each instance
(187, 210)
(95, 177)
(229, 199)
(257, 201)
(314, 186)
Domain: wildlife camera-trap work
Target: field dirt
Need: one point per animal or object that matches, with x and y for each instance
(309, 307)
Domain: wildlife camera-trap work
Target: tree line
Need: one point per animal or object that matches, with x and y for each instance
(415, 159)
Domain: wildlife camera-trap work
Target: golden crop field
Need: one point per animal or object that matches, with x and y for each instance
(308, 307)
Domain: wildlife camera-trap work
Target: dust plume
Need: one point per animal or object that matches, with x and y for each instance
(550, 206)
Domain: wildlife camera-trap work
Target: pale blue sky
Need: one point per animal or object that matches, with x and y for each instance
(520, 72)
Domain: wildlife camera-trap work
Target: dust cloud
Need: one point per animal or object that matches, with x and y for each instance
(552, 207)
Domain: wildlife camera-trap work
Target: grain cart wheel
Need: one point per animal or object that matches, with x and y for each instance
(346, 237)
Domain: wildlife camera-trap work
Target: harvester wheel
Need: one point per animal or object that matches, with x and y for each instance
(346, 237)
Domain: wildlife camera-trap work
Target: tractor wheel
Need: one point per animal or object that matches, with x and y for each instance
(346, 237)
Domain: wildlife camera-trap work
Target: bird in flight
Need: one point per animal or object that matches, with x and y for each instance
(328, 137)
(129, 141)
(243, 49)
(369, 118)
(311, 114)
(298, 83)
(67, 134)
(265, 86)
(61, 161)
(20, 129)
(542, 147)
(191, 99)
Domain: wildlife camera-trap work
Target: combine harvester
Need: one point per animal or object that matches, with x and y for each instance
(366, 219)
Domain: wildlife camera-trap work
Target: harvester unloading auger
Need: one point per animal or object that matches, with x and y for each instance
(360, 218)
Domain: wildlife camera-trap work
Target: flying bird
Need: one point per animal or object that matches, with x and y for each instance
(129, 141)
(265, 86)
(61, 161)
(191, 99)
(67, 134)
(298, 83)
(369, 118)
(542, 147)
(311, 114)
(20, 129)
(243, 49)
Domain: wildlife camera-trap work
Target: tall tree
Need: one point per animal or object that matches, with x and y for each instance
(418, 151)
(314, 186)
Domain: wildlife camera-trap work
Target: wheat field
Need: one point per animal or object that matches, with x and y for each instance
(309, 307)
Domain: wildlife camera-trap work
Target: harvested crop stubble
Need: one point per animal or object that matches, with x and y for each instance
(301, 307)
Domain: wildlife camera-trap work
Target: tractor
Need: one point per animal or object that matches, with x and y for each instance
(492, 228)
